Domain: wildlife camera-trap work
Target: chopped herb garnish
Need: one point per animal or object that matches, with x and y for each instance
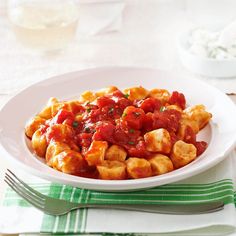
(87, 129)
(75, 124)
(124, 114)
(126, 95)
(88, 109)
(131, 142)
(137, 114)
(131, 131)
(162, 109)
(110, 111)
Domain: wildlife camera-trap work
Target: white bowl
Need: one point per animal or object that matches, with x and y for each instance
(220, 133)
(204, 66)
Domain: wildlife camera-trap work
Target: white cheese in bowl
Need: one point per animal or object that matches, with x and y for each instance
(209, 44)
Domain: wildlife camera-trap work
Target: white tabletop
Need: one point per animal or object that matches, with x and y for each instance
(147, 38)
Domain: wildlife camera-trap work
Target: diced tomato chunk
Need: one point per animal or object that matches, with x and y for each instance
(94, 115)
(178, 99)
(105, 131)
(77, 108)
(120, 136)
(63, 115)
(123, 103)
(84, 139)
(124, 135)
(97, 136)
(116, 94)
(201, 147)
(148, 122)
(189, 135)
(139, 150)
(168, 119)
(134, 117)
(105, 101)
(110, 113)
(149, 104)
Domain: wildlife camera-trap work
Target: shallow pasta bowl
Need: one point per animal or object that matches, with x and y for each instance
(220, 133)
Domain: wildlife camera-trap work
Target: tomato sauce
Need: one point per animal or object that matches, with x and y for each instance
(117, 120)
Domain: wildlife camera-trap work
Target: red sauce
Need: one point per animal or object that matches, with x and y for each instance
(201, 147)
(117, 120)
(167, 119)
(177, 99)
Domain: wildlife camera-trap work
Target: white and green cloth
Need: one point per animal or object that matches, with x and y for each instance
(17, 216)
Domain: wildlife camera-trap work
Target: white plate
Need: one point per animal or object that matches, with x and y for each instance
(221, 133)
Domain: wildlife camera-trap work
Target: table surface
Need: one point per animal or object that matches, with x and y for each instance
(144, 40)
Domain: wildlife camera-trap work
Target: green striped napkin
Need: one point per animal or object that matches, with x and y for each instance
(216, 184)
(76, 221)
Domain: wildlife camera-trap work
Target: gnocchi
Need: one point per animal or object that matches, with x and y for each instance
(33, 125)
(162, 95)
(138, 168)
(39, 143)
(158, 141)
(183, 153)
(161, 164)
(115, 153)
(46, 113)
(96, 153)
(53, 149)
(136, 93)
(70, 162)
(198, 114)
(112, 170)
(114, 135)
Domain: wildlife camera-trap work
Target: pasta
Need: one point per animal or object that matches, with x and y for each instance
(116, 135)
(161, 164)
(113, 170)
